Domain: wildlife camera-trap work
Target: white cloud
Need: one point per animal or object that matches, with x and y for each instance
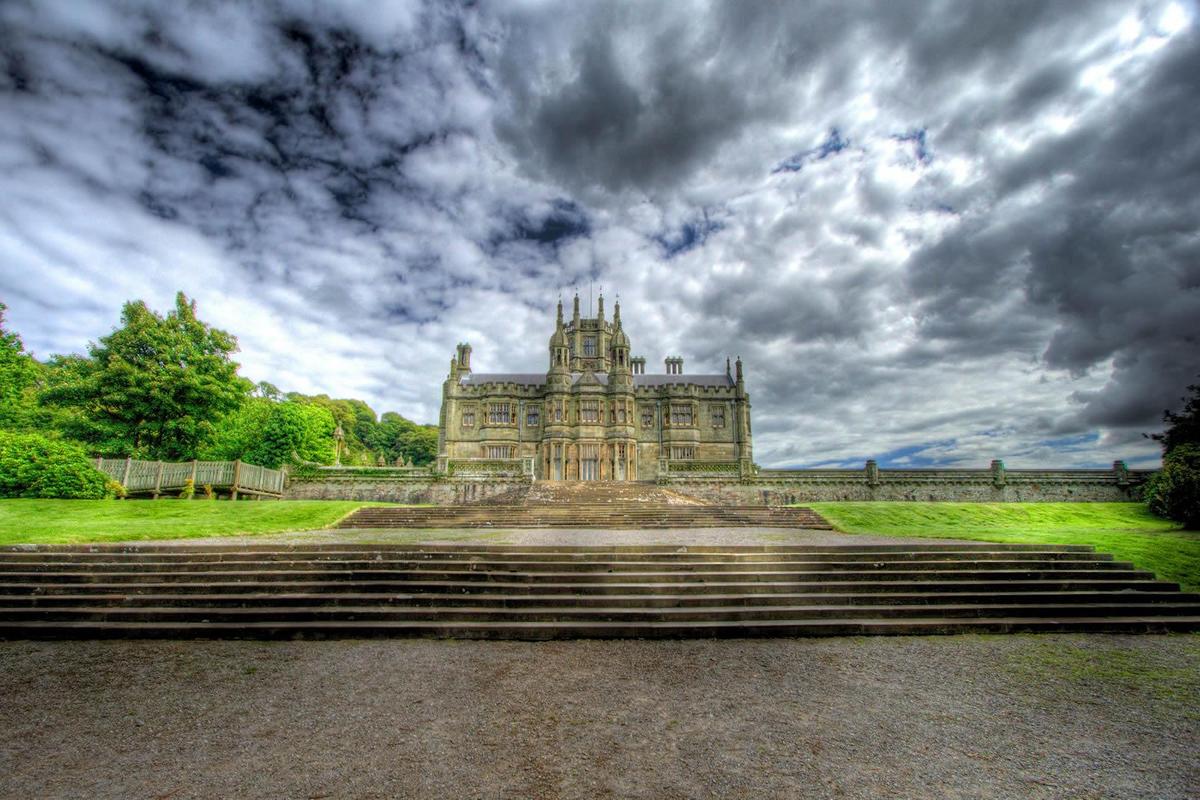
(971, 250)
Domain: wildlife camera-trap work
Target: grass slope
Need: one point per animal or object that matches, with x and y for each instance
(71, 521)
(1127, 530)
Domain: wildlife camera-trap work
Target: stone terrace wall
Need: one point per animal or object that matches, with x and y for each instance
(993, 485)
(767, 487)
(399, 486)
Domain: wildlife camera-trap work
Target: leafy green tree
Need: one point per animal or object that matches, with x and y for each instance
(238, 432)
(397, 437)
(1184, 427)
(357, 421)
(34, 465)
(294, 430)
(1174, 491)
(153, 387)
(18, 373)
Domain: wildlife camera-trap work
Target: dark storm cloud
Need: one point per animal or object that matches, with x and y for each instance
(943, 231)
(1106, 244)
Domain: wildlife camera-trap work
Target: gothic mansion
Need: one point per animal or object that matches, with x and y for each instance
(596, 414)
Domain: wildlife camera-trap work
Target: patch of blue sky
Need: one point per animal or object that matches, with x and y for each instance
(1081, 441)
(689, 236)
(929, 454)
(917, 138)
(833, 144)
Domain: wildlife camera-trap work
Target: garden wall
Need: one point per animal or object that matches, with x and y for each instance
(767, 487)
(399, 486)
(994, 485)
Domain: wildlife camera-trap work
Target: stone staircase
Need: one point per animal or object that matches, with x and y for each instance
(561, 592)
(547, 504)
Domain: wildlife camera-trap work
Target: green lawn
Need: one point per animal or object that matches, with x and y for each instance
(1127, 530)
(70, 521)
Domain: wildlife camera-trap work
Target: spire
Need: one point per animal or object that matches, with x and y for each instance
(617, 313)
(576, 306)
(560, 316)
(600, 307)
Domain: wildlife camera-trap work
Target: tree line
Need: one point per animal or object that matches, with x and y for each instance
(166, 387)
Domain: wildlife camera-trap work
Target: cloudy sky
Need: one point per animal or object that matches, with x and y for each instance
(937, 232)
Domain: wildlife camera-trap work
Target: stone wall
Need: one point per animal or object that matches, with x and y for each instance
(766, 487)
(993, 485)
(421, 490)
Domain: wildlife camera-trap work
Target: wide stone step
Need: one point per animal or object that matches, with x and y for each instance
(43, 558)
(952, 573)
(583, 514)
(535, 631)
(492, 565)
(465, 588)
(558, 591)
(234, 598)
(578, 614)
(572, 550)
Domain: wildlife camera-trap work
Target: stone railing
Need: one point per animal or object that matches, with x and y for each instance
(994, 484)
(669, 468)
(487, 467)
(309, 472)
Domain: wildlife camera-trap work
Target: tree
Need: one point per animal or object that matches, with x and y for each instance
(153, 387)
(397, 437)
(18, 373)
(294, 430)
(1184, 427)
(33, 465)
(356, 419)
(1174, 491)
(238, 432)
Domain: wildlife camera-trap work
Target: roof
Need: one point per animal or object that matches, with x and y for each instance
(698, 380)
(524, 378)
(539, 378)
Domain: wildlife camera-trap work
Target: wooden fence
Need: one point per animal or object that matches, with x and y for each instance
(158, 477)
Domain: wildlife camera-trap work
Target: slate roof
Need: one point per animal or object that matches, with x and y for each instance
(524, 378)
(698, 380)
(539, 378)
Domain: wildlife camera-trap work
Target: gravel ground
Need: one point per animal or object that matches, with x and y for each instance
(1052, 716)
(567, 536)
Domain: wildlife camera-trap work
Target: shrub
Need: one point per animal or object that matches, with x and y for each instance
(189, 490)
(1174, 491)
(209, 492)
(33, 465)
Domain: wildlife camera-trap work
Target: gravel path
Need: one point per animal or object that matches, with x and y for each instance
(568, 536)
(1050, 716)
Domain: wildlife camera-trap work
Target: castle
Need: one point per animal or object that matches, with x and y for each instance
(595, 414)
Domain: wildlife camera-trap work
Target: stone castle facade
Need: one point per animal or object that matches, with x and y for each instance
(595, 414)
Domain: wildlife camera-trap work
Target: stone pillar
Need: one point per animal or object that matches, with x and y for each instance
(872, 473)
(999, 477)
